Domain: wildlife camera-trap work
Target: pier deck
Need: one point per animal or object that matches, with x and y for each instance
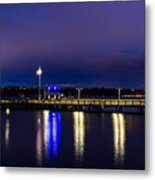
(76, 104)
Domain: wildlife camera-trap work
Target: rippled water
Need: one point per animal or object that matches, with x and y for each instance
(72, 139)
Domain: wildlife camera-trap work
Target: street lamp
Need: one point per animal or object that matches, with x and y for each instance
(79, 92)
(39, 73)
(119, 93)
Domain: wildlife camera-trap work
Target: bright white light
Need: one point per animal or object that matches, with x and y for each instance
(7, 111)
(39, 71)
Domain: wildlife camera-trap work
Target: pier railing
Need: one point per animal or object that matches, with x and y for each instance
(106, 102)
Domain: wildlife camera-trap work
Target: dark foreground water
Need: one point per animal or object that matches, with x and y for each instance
(72, 139)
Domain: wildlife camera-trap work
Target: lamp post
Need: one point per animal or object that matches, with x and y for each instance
(39, 73)
(44, 93)
(119, 93)
(79, 92)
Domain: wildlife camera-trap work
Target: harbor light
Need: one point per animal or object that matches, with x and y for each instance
(7, 111)
(49, 88)
(39, 73)
(55, 88)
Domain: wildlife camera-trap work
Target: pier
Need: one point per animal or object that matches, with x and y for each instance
(91, 105)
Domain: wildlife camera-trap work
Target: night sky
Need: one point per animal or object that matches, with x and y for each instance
(92, 44)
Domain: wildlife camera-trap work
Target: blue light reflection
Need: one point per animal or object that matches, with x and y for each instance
(52, 132)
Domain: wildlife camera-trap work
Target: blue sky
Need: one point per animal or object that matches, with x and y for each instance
(87, 43)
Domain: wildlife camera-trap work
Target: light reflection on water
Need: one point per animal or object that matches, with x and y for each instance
(39, 144)
(48, 135)
(115, 140)
(47, 132)
(7, 132)
(79, 135)
(119, 131)
(49, 129)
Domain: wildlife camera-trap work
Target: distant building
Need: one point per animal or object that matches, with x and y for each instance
(53, 92)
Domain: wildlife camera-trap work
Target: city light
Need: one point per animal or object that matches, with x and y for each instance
(49, 88)
(7, 111)
(55, 88)
(39, 71)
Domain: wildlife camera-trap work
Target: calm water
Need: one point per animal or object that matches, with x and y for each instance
(72, 139)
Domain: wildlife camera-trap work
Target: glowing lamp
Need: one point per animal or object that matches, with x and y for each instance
(49, 88)
(55, 88)
(7, 111)
(39, 72)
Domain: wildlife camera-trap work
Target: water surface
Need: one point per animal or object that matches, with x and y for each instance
(72, 139)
